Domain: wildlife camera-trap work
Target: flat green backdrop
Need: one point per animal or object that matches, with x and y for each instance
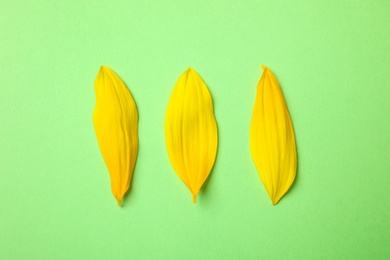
(332, 59)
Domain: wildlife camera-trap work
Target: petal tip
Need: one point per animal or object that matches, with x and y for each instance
(275, 201)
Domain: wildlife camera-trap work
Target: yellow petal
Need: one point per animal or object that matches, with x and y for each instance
(272, 139)
(191, 131)
(115, 120)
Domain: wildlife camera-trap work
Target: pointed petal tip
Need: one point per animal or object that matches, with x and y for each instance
(103, 69)
(119, 203)
(190, 71)
(194, 199)
(263, 66)
(275, 201)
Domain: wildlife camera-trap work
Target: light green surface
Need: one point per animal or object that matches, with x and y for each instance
(332, 59)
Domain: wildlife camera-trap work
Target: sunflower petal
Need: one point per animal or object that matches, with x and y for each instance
(191, 131)
(115, 121)
(272, 140)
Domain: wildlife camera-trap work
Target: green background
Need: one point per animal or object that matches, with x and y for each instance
(332, 59)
